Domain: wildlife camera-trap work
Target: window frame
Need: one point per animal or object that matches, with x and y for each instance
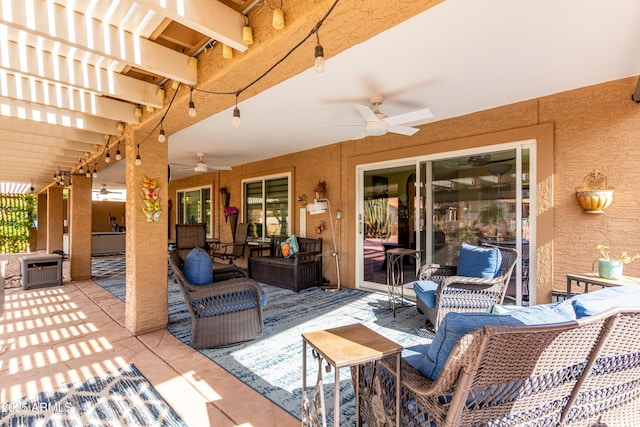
(263, 180)
(180, 206)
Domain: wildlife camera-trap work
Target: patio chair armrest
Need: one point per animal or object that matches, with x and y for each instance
(222, 288)
(463, 280)
(436, 272)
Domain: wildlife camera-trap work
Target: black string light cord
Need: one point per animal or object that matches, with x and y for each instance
(236, 93)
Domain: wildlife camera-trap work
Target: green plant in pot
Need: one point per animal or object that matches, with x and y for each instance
(610, 268)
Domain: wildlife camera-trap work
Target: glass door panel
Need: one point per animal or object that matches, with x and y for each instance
(389, 199)
(480, 200)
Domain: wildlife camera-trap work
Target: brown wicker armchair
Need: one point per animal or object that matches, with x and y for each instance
(580, 373)
(222, 313)
(464, 294)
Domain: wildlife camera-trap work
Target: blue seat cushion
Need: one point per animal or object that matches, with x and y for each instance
(476, 261)
(197, 267)
(426, 291)
(601, 300)
(414, 354)
(455, 325)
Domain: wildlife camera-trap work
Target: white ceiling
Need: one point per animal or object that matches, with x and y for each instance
(459, 57)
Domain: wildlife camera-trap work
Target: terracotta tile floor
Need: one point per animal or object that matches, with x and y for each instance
(63, 334)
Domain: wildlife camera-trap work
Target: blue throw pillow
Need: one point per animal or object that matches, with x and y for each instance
(455, 325)
(198, 268)
(476, 261)
(601, 300)
(290, 246)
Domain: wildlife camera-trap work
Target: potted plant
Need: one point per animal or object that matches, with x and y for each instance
(609, 268)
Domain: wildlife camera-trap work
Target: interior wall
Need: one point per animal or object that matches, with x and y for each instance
(577, 131)
(102, 210)
(194, 181)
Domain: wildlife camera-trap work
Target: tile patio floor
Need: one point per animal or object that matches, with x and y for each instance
(64, 334)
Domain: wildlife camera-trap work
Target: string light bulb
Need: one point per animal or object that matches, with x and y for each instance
(88, 174)
(236, 122)
(95, 173)
(319, 54)
(118, 154)
(161, 137)
(81, 170)
(278, 19)
(192, 106)
(138, 159)
(107, 157)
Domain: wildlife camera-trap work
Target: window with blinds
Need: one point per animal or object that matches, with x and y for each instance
(266, 206)
(194, 206)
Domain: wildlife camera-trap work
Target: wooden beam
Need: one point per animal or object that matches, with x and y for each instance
(211, 18)
(55, 131)
(68, 98)
(43, 113)
(90, 35)
(43, 65)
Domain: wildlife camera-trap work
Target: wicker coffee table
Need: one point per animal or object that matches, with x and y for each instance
(342, 347)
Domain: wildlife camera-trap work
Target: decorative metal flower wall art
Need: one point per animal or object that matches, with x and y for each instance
(150, 197)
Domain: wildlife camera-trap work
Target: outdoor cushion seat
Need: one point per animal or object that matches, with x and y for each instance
(224, 312)
(478, 282)
(540, 365)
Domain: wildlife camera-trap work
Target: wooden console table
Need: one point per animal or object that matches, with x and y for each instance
(593, 279)
(343, 347)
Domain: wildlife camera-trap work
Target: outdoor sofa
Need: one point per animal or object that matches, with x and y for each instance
(225, 307)
(574, 363)
(302, 270)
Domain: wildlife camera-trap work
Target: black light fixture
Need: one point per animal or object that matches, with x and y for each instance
(138, 159)
(118, 154)
(192, 106)
(236, 122)
(319, 55)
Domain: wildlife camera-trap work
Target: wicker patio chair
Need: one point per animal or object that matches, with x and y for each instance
(222, 313)
(189, 236)
(465, 294)
(233, 250)
(580, 373)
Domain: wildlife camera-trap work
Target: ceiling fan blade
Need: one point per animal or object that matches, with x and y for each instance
(366, 113)
(219, 168)
(413, 116)
(403, 130)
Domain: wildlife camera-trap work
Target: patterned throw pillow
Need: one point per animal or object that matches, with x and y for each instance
(290, 247)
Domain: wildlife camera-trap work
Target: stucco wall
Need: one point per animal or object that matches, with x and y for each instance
(578, 131)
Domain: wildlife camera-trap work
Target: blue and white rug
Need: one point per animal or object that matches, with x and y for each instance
(123, 397)
(272, 363)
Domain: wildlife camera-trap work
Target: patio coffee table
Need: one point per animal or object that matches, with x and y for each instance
(343, 347)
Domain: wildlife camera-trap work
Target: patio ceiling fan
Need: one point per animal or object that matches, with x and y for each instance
(378, 123)
(103, 191)
(200, 166)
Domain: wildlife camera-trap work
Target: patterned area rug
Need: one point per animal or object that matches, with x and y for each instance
(272, 363)
(121, 397)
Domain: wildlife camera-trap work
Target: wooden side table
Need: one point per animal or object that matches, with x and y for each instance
(395, 274)
(343, 347)
(594, 279)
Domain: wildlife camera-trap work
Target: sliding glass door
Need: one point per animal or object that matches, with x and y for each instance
(435, 204)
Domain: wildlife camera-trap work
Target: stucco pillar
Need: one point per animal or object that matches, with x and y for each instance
(80, 228)
(55, 218)
(41, 244)
(146, 295)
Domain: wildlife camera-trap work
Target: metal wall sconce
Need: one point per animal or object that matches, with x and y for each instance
(595, 195)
